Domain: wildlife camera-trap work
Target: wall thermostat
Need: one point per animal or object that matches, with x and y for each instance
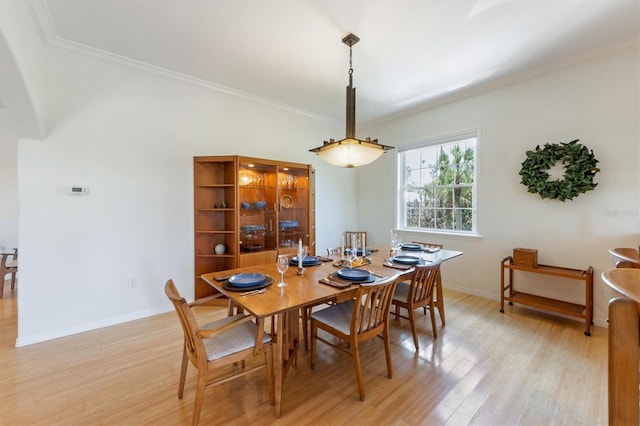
(79, 190)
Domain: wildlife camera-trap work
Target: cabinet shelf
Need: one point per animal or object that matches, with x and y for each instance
(250, 235)
(509, 294)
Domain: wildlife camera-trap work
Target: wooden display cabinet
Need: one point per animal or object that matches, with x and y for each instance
(510, 294)
(256, 208)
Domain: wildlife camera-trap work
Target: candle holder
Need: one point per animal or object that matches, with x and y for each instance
(300, 270)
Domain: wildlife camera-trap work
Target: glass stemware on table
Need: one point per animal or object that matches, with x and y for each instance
(282, 264)
(352, 252)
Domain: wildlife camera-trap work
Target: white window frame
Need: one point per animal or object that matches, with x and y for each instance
(401, 179)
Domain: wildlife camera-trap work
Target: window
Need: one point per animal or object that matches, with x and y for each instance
(437, 182)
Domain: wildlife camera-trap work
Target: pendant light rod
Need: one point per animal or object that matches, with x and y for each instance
(351, 151)
(351, 39)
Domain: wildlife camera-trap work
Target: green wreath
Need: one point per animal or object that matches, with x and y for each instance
(579, 169)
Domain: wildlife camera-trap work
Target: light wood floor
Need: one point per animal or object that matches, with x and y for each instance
(486, 368)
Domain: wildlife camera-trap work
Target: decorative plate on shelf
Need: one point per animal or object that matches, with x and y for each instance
(286, 201)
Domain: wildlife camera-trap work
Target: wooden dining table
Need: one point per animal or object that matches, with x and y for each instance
(283, 304)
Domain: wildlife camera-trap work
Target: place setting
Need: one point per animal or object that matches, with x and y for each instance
(418, 247)
(247, 283)
(404, 262)
(346, 277)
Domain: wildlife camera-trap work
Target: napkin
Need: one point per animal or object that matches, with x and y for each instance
(335, 283)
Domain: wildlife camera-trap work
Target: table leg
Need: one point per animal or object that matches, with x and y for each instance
(279, 373)
(440, 298)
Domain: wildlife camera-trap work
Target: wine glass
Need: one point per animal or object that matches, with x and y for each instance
(352, 254)
(283, 265)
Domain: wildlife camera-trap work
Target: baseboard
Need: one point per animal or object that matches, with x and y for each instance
(37, 338)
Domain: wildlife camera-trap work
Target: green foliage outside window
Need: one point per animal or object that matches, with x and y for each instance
(438, 187)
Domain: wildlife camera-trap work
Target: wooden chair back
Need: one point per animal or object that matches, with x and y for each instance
(194, 346)
(422, 284)
(625, 257)
(624, 358)
(351, 236)
(371, 315)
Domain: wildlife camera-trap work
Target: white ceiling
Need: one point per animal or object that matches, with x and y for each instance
(412, 53)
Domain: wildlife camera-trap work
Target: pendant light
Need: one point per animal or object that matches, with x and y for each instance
(350, 151)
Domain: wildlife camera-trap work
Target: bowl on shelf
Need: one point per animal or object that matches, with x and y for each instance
(259, 204)
(288, 224)
(245, 205)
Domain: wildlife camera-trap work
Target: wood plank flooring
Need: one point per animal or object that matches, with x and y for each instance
(486, 368)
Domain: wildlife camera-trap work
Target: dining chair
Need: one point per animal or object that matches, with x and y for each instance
(418, 293)
(211, 346)
(8, 265)
(625, 257)
(351, 236)
(355, 321)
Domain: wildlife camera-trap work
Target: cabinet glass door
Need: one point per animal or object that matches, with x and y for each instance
(257, 207)
(293, 207)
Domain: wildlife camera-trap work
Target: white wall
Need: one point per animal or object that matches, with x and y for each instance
(130, 136)
(8, 183)
(595, 101)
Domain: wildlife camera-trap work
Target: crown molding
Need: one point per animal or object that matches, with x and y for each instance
(47, 32)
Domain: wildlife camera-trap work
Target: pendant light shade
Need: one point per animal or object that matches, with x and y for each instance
(350, 151)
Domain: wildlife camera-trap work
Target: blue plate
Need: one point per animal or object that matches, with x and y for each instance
(408, 246)
(367, 252)
(247, 280)
(407, 260)
(354, 274)
(307, 261)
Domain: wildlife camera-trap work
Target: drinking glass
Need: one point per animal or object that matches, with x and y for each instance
(352, 254)
(283, 265)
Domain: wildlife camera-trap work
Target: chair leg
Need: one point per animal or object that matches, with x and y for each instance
(183, 372)
(387, 352)
(355, 353)
(13, 280)
(202, 382)
(312, 355)
(433, 320)
(1, 286)
(412, 323)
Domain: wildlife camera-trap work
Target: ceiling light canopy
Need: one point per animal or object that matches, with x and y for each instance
(350, 151)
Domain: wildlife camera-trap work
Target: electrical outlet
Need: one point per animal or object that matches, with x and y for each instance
(133, 282)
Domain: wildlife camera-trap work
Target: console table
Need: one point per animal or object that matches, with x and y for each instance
(509, 293)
